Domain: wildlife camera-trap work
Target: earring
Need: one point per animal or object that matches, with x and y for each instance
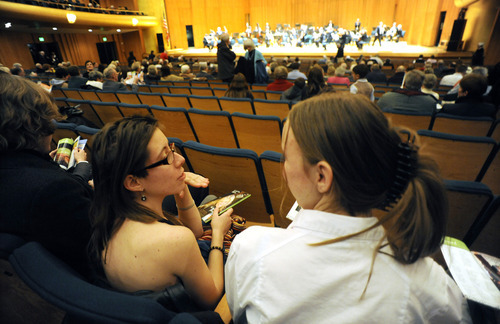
(143, 197)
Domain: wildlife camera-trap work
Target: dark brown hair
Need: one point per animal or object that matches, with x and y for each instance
(27, 112)
(238, 87)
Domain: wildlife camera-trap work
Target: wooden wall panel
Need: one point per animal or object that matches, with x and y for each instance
(17, 51)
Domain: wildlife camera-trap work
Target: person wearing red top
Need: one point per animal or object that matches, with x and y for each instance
(280, 83)
(164, 56)
(339, 77)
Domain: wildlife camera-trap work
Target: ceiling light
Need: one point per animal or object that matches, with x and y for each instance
(71, 18)
(8, 25)
(118, 30)
(90, 30)
(54, 28)
(135, 21)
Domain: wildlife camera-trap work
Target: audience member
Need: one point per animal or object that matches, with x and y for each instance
(478, 56)
(186, 73)
(430, 81)
(376, 75)
(339, 77)
(337, 262)
(75, 81)
(470, 101)
(398, 77)
(256, 63)
(61, 78)
(315, 82)
(134, 244)
(152, 76)
(280, 80)
(438, 71)
(238, 88)
(225, 59)
(361, 84)
(38, 199)
(95, 81)
(19, 71)
(452, 79)
(203, 74)
(131, 58)
(411, 98)
(111, 81)
(295, 93)
(295, 73)
(166, 76)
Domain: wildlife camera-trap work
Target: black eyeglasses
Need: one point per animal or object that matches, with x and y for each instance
(166, 161)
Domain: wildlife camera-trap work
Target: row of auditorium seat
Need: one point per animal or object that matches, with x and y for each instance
(471, 202)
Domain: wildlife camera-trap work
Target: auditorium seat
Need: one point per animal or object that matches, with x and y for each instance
(460, 125)
(259, 94)
(257, 133)
(490, 175)
(233, 169)
(213, 127)
(88, 95)
(151, 99)
(180, 90)
(484, 233)
(107, 111)
(280, 196)
(232, 105)
(159, 89)
(410, 119)
(278, 108)
(88, 110)
(57, 93)
(205, 102)
(219, 92)
(458, 157)
(64, 130)
(181, 84)
(176, 100)
(467, 201)
(133, 109)
(257, 86)
(202, 91)
(107, 96)
(175, 122)
(143, 88)
(72, 93)
(128, 97)
(273, 95)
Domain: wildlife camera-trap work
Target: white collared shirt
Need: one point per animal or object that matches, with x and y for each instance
(273, 275)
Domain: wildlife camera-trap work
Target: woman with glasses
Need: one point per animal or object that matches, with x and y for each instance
(134, 244)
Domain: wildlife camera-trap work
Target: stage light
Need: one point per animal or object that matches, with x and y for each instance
(71, 18)
(8, 25)
(135, 21)
(54, 28)
(118, 30)
(41, 39)
(90, 30)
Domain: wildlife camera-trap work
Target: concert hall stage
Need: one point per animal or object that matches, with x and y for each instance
(395, 51)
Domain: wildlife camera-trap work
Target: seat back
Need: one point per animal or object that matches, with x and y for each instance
(259, 86)
(107, 111)
(176, 122)
(129, 109)
(408, 119)
(89, 95)
(143, 88)
(257, 133)
(128, 97)
(72, 93)
(60, 285)
(280, 196)
(159, 89)
(470, 126)
(230, 169)
(202, 91)
(8, 243)
(467, 201)
(88, 110)
(219, 92)
(483, 236)
(180, 90)
(176, 100)
(151, 99)
(64, 130)
(232, 105)
(273, 95)
(259, 94)
(213, 127)
(107, 96)
(271, 108)
(184, 84)
(205, 103)
(491, 172)
(57, 93)
(458, 157)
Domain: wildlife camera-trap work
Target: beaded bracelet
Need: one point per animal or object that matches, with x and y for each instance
(186, 208)
(216, 248)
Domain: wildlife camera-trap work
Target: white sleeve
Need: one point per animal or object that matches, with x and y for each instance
(353, 89)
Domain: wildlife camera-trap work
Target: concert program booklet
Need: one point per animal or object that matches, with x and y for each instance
(228, 201)
(64, 155)
(476, 274)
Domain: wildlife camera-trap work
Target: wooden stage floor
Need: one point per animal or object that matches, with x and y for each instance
(391, 50)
